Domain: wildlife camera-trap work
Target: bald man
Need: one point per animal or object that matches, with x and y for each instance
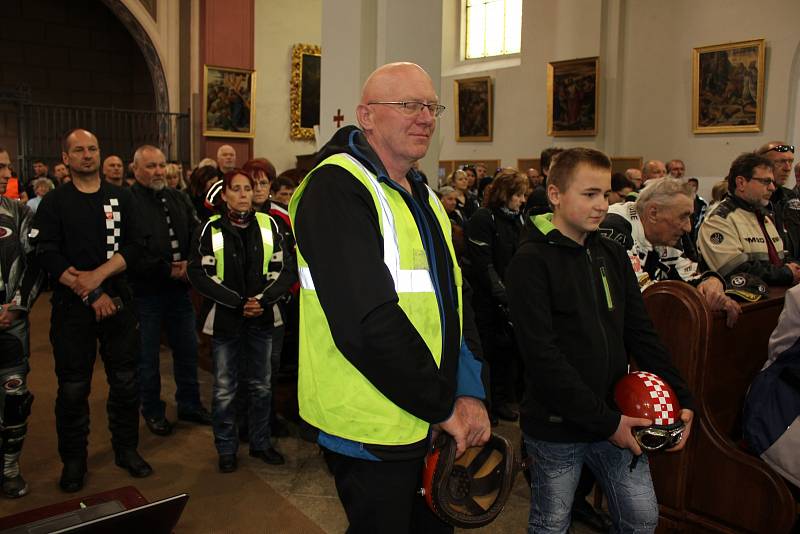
(88, 236)
(784, 202)
(382, 358)
(653, 169)
(161, 289)
(113, 170)
(226, 158)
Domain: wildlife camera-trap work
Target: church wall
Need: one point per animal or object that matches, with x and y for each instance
(519, 92)
(645, 49)
(657, 111)
(279, 24)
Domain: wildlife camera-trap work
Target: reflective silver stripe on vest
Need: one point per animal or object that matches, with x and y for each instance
(217, 241)
(266, 233)
(405, 280)
(306, 282)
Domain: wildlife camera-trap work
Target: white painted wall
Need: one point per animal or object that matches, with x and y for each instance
(645, 49)
(280, 24)
(657, 114)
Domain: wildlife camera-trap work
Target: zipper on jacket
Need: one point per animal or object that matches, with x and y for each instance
(596, 303)
(606, 288)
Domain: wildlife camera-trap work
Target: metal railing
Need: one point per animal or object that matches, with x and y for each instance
(41, 128)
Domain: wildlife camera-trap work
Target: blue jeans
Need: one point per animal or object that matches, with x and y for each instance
(250, 351)
(556, 469)
(174, 310)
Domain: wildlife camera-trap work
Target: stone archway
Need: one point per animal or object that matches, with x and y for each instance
(149, 52)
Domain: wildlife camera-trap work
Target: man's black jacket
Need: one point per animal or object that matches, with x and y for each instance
(578, 316)
(152, 274)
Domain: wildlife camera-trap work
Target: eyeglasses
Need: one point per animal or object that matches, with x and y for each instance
(764, 181)
(656, 439)
(781, 148)
(414, 108)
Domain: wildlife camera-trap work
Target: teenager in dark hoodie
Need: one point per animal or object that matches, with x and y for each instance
(578, 313)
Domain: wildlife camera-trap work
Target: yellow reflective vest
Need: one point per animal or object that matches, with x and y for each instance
(333, 395)
(218, 243)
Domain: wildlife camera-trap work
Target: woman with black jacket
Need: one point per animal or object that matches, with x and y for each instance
(241, 267)
(492, 236)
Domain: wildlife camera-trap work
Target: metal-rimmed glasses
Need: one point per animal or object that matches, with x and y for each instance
(414, 107)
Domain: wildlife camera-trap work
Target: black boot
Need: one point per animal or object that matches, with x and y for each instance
(73, 475)
(129, 459)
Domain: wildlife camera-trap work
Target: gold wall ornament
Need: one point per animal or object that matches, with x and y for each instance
(304, 102)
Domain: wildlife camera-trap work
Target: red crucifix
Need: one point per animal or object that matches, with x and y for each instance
(338, 118)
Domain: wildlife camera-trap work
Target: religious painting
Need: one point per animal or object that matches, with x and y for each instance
(305, 90)
(728, 87)
(473, 103)
(573, 97)
(228, 96)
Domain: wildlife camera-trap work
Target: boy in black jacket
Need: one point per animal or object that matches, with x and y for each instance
(578, 313)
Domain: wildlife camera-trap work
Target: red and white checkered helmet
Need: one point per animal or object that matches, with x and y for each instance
(643, 394)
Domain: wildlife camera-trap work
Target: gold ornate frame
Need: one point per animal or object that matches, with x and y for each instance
(587, 65)
(215, 72)
(482, 87)
(296, 131)
(760, 55)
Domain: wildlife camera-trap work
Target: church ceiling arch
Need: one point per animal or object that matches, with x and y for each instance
(151, 57)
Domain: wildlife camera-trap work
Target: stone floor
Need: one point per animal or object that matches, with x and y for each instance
(296, 497)
(309, 487)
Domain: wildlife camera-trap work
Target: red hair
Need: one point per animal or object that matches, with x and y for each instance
(261, 165)
(228, 177)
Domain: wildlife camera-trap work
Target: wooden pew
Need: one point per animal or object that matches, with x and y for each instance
(713, 485)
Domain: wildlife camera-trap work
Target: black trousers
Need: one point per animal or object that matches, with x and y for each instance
(74, 334)
(382, 496)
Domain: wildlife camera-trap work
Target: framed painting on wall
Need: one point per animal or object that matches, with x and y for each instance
(305, 90)
(573, 97)
(728, 87)
(228, 95)
(473, 103)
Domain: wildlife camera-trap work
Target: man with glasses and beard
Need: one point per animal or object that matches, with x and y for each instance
(161, 286)
(86, 239)
(784, 202)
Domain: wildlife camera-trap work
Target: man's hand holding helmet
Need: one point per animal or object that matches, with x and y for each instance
(469, 424)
